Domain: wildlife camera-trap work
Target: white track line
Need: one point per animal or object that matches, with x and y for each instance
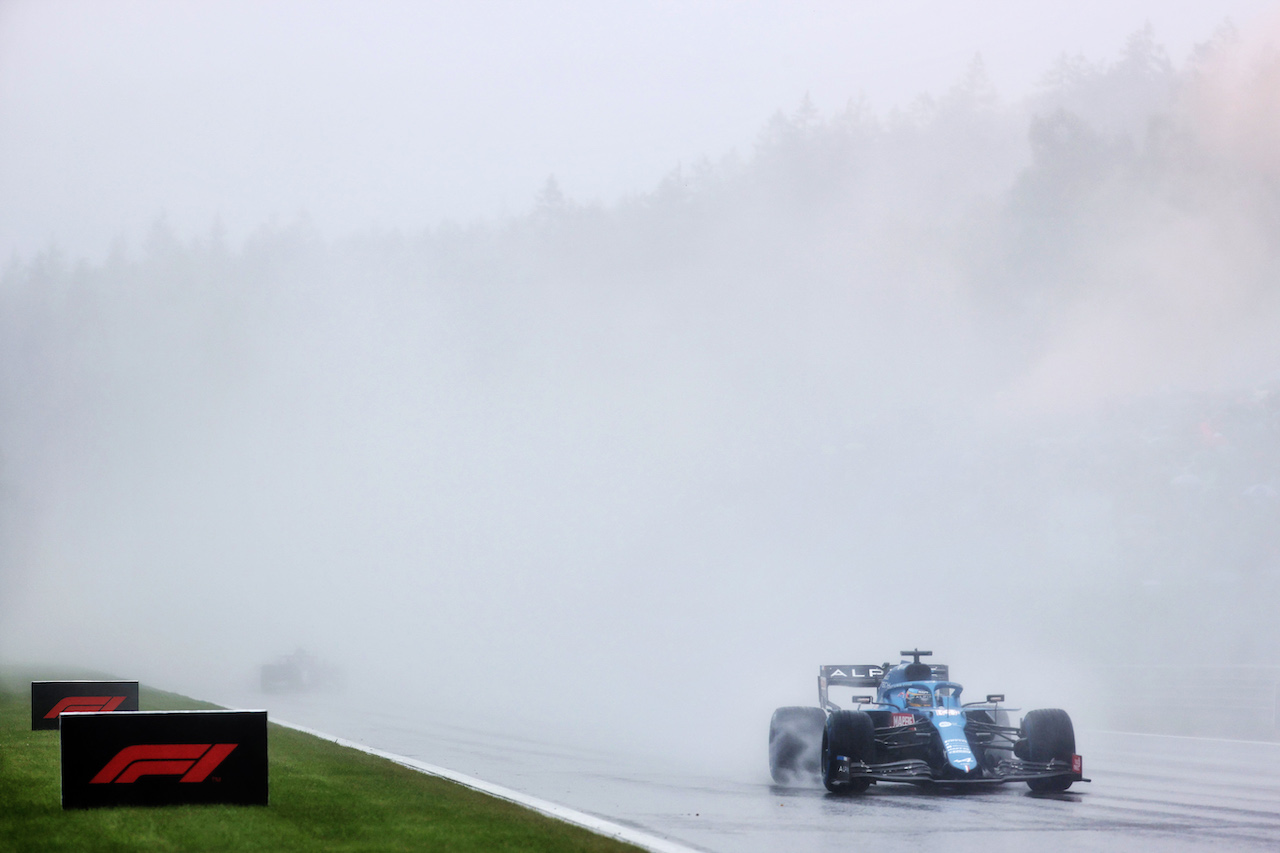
(568, 815)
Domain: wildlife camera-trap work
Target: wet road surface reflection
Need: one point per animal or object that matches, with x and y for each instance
(1148, 793)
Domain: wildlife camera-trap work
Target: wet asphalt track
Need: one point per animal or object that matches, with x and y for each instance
(1148, 793)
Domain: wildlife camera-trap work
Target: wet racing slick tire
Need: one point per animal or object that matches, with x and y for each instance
(795, 744)
(850, 734)
(1049, 735)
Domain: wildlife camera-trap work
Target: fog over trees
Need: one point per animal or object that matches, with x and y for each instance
(1000, 379)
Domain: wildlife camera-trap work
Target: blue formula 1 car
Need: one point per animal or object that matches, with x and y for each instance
(915, 729)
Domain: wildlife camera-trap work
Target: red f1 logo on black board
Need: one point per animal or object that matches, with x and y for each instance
(84, 703)
(192, 761)
(51, 699)
(163, 758)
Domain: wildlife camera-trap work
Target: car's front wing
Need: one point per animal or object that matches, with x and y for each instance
(1020, 770)
(919, 772)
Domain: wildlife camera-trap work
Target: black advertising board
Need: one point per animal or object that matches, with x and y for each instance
(156, 758)
(51, 698)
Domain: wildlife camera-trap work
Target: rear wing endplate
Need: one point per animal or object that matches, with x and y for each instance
(846, 675)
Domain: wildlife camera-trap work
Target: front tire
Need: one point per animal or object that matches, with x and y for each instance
(850, 734)
(1049, 736)
(795, 743)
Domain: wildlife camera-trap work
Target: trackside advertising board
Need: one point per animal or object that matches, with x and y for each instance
(51, 698)
(157, 758)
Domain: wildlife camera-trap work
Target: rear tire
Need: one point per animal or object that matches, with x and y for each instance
(1050, 736)
(795, 744)
(850, 734)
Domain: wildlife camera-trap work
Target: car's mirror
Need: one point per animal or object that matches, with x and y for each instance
(864, 700)
(995, 698)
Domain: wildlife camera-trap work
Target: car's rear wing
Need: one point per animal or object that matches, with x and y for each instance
(846, 675)
(861, 675)
(852, 675)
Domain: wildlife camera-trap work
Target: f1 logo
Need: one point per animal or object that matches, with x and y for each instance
(162, 758)
(84, 703)
(51, 700)
(192, 761)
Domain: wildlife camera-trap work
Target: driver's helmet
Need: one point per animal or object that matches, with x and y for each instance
(919, 697)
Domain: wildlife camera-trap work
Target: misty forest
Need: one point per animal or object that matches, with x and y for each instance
(997, 378)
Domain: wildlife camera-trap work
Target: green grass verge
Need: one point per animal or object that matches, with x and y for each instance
(323, 797)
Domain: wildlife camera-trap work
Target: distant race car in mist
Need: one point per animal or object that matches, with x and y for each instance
(300, 672)
(915, 729)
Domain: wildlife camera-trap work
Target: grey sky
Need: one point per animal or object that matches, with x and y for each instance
(398, 114)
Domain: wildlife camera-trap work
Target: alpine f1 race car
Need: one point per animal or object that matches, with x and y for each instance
(915, 729)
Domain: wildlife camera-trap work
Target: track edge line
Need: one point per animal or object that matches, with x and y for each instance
(598, 825)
